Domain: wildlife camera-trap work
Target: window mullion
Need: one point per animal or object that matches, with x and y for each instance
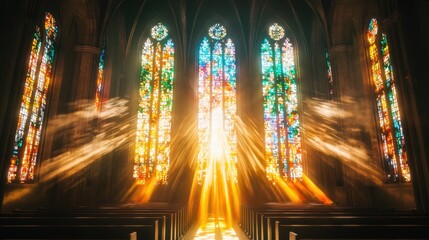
(149, 140)
(280, 155)
(158, 103)
(211, 47)
(285, 114)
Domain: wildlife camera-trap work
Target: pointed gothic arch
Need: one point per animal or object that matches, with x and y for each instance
(217, 100)
(391, 136)
(155, 103)
(25, 155)
(282, 134)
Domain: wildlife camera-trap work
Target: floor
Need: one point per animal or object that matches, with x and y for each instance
(216, 230)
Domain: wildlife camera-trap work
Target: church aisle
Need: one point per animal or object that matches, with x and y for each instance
(215, 229)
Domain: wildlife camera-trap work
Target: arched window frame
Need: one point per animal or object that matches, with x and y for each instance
(228, 45)
(152, 159)
(276, 165)
(391, 137)
(25, 157)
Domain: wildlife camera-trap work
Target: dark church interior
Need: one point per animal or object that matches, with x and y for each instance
(214, 119)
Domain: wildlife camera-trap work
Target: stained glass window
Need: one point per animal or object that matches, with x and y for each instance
(217, 102)
(280, 97)
(217, 32)
(33, 104)
(159, 32)
(389, 119)
(276, 32)
(152, 150)
(100, 77)
(329, 76)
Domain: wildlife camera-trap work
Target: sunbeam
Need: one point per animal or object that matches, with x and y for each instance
(110, 130)
(322, 133)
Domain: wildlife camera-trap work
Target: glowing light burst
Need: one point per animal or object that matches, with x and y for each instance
(392, 137)
(114, 133)
(33, 106)
(217, 137)
(152, 151)
(323, 135)
(217, 105)
(282, 133)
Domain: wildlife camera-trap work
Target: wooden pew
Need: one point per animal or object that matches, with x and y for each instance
(351, 231)
(78, 231)
(180, 222)
(162, 223)
(259, 222)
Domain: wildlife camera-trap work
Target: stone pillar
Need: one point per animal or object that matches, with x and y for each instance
(408, 43)
(81, 95)
(347, 74)
(340, 71)
(85, 72)
(339, 56)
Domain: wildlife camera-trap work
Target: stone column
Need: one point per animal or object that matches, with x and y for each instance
(85, 72)
(408, 50)
(347, 74)
(82, 95)
(339, 56)
(340, 71)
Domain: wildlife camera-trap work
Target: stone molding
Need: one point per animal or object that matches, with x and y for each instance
(87, 49)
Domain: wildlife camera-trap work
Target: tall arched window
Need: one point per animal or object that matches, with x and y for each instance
(152, 151)
(23, 161)
(217, 103)
(279, 88)
(100, 77)
(389, 120)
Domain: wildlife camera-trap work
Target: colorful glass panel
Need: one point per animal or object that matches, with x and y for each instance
(159, 32)
(329, 76)
(33, 106)
(217, 31)
(100, 77)
(152, 151)
(276, 31)
(217, 103)
(389, 120)
(279, 89)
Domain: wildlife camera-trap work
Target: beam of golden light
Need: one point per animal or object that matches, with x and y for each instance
(109, 131)
(315, 191)
(323, 134)
(251, 166)
(252, 152)
(288, 188)
(218, 196)
(16, 195)
(215, 228)
(113, 133)
(143, 193)
(219, 192)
